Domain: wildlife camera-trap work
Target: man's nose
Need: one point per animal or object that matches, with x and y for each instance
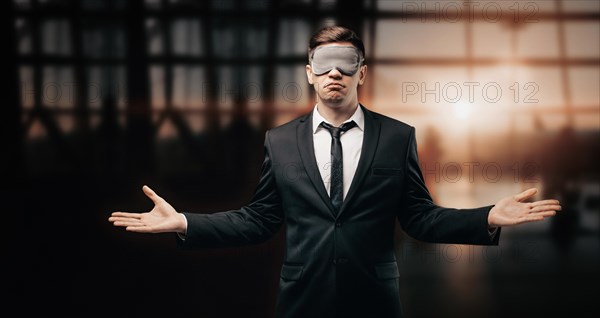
(334, 73)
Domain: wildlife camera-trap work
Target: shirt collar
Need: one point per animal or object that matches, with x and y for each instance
(358, 117)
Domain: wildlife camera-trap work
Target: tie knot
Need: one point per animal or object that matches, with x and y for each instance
(337, 131)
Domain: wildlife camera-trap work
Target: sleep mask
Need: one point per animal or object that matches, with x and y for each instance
(345, 59)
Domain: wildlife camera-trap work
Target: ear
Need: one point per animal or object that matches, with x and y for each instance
(362, 74)
(309, 74)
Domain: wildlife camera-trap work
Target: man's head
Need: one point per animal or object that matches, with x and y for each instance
(336, 66)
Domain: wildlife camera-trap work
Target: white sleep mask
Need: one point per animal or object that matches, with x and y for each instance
(345, 59)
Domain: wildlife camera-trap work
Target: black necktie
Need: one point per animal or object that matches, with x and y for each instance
(336, 185)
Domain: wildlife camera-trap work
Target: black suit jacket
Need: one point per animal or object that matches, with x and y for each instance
(340, 265)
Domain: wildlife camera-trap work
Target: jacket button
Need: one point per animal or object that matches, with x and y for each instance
(338, 224)
(340, 260)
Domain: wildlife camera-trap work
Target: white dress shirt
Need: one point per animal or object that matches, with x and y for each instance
(351, 147)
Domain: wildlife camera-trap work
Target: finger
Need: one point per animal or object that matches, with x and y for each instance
(127, 215)
(537, 216)
(121, 219)
(127, 223)
(151, 194)
(546, 214)
(544, 202)
(525, 194)
(544, 208)
(531, 219)
(139, 229)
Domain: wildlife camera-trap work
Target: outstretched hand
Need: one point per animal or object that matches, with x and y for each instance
(514, 210)
(162, 218)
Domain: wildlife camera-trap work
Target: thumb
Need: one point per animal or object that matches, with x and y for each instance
(151, 194)
(525, 194)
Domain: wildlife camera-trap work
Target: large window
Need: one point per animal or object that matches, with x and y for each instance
(479, 70)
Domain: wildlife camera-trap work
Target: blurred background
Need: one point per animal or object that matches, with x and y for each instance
(105, 96)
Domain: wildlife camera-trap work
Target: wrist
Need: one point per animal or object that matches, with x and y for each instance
(182, 228)
(490, 219)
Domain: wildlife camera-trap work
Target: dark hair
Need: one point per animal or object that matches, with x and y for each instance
(332, 34)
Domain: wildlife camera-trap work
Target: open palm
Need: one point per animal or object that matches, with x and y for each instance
(162, 218)
(514, 210)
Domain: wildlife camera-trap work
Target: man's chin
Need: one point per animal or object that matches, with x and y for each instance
(333, 100)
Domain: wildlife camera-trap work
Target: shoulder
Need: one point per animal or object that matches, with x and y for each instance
(290, 125)
(285, 132)
(389, 124)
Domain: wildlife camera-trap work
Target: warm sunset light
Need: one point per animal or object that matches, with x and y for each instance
(462, 110)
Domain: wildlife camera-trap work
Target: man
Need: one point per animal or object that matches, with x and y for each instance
(338, 178)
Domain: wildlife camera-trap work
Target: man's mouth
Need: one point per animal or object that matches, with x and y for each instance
(334, 85)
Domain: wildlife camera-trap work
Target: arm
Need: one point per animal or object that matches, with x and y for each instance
(251, 224)
(424, 220)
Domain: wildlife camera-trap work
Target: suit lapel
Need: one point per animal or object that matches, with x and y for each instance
(369, 146)
(304, 135)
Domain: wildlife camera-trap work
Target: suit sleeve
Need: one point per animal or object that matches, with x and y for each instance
(425, 221)
(252, 224)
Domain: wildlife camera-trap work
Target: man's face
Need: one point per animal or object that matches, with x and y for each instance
(330, 74)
